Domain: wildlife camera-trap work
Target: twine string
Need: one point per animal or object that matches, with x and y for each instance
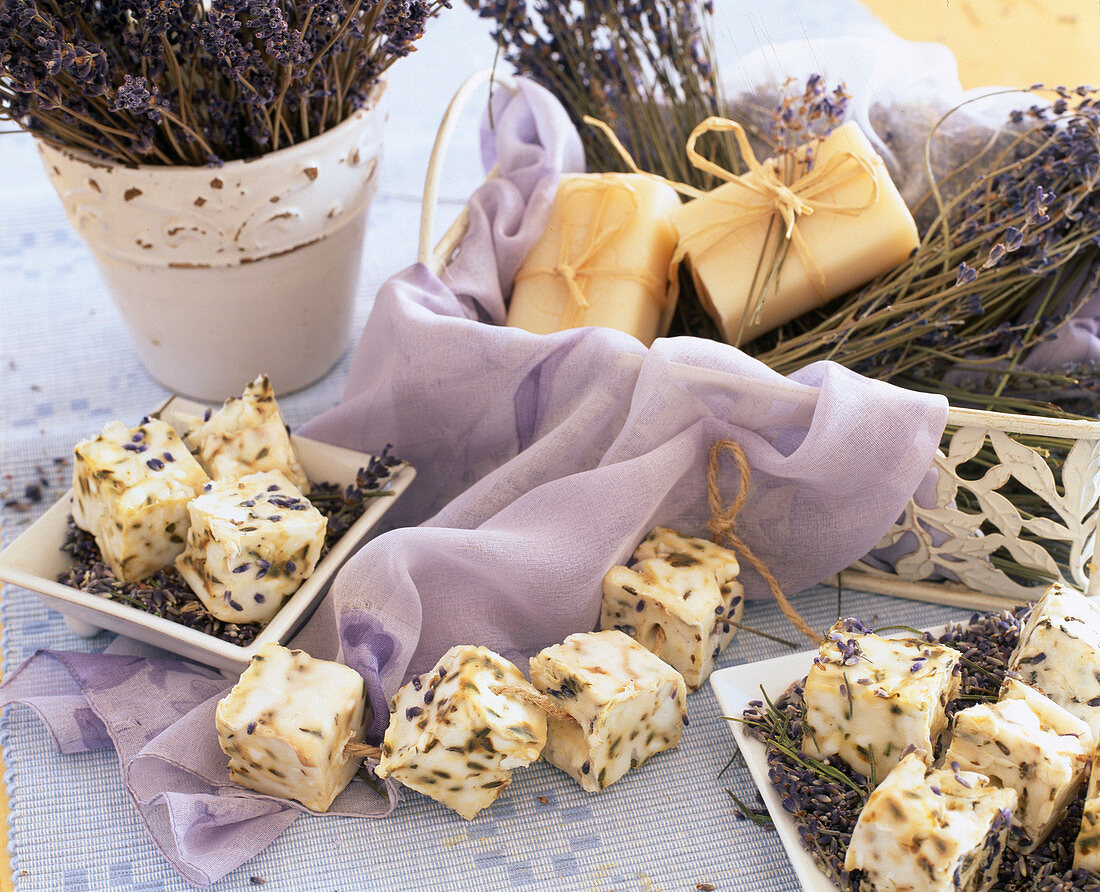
(658, 640)
(599, 231)
(723, 525)
(357, 750)
(529, 695)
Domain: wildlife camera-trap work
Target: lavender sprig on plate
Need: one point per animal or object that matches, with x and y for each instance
(825, 798)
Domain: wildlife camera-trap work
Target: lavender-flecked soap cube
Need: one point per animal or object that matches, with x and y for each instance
(245, 436)
(1024, 742)
(1086, 849)
(869, 697)
(681, 599)
(624, 703)
(131, 487)
(286, 722)
(931, 830)
(251, 543)
(455, 734)
(1058, 653)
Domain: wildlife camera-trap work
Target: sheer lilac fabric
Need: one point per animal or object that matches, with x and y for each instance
(542, 461)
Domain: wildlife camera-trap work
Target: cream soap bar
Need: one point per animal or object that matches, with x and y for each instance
(246, 435)
(251, 543)
(868, 697)
(286, 722)
(723, 237)
(455, 735)
(131, 487)
(1059, 653)
(1027, 743)
(603, 259)
(684, 587)
(931, 830)
(626, 705)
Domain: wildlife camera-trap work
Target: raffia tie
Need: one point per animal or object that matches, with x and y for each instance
(529, 695)
(599, 232)
(357, 750)
(766, 194)
(723, 524)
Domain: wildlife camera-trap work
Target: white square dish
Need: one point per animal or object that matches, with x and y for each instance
(35, 560)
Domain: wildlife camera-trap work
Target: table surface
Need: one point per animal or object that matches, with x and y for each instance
(67, 368)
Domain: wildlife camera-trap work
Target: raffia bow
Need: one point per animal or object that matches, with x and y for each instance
(599, 233)
(767, 196)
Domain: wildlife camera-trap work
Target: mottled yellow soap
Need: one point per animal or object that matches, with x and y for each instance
(850, 249)
(603, 259)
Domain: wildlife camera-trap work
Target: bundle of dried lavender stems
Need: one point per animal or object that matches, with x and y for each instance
(193, 82)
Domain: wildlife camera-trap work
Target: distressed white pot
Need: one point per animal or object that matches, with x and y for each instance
(223, 273)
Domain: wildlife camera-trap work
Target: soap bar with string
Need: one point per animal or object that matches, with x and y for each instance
(603, 259)
(849, 225)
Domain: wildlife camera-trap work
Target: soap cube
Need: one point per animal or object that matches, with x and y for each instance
(251, 543)
(1059, 653)
(725, 235)
(131, 487)
(931, 830)
(1086, 849)
(245, 436)
(1023, 745)
(602, 260)
(869, 697)
(455, 734)
(625, 705)
(285, 724)
(682, 592)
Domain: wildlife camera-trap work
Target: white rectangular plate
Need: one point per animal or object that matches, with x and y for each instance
(35, 560)
(735, 687)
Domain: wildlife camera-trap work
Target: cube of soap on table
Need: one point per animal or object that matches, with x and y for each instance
(251, 543)
(687, 588)
(285, 724)
(602, 260)
(931, 830)
(1029, 744)
(1086, 849)
(1058, 653)
(131, 487)
(626, 705)
(455, 735)
(868, 697)
(724, 253)
(245, 436)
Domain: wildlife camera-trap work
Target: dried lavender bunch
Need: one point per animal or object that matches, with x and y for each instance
(825, 798)
(643, 67)
(167, 595)
(1004, 264)
(196, 82)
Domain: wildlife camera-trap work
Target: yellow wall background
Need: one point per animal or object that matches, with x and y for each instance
(1012, 43)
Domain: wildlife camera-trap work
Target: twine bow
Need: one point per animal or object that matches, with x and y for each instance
(599, 232)
(723, 524)
(767, 196)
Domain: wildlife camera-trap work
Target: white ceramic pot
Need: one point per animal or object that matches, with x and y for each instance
(223, 273)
